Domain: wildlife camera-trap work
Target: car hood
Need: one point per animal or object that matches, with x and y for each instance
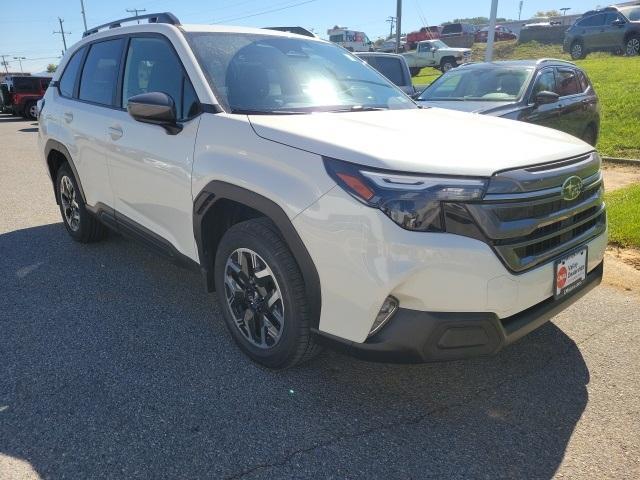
(429, 140)
(466, 106)
(454, 50)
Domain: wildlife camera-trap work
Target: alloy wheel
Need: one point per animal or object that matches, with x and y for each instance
(576, 50)
(446, 67)
(633, 46)
(70, 207)
(33, 111)
(254, 298)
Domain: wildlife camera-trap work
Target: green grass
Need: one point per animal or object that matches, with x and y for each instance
(615, 79)
(623, 210)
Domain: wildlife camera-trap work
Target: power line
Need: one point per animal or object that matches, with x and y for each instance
(5, 63)
(264, 12)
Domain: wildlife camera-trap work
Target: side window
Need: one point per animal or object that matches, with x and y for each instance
(100, 72)
(593, 21)
(567, 82)
(152, 66)
(583, 81)
(546, 82)
(70, 74)
(611, 17)
(391, 68)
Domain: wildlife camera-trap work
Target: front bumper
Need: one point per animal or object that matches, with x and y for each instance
(414, 336)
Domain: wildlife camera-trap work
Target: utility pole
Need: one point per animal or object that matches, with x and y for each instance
(520, 10)
(20, 60)
(64, 34)
(84, 16)
(5, 63)
(398, 24)
(392, 22)
(492, 31)
(135, 11)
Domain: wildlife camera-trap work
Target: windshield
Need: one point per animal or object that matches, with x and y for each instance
(256, 74)
(439, 44)
(491, 84)
(632, 13)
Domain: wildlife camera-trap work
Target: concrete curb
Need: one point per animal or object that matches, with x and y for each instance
(622, 161)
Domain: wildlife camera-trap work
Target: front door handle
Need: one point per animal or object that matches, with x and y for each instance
(68, 117)
(115, 132)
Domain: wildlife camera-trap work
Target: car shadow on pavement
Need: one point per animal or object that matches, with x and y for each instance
(4, 118)
(115, 363)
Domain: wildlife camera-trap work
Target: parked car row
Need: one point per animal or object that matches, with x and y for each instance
(19, 94)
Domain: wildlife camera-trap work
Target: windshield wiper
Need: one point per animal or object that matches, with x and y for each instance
(244, 111)
(358, 108)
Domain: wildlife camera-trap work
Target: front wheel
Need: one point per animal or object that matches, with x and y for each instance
(577, 51)
(633, 46)
(262, 295)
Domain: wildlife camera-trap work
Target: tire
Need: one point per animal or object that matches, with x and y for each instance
(632, 46)
(590, 135)
(577, 50)
(30, 110)
(414, 71)
(80, 224)
(276, 336)
(447, 64)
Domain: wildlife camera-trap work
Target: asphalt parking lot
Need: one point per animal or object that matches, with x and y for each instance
(115, 364)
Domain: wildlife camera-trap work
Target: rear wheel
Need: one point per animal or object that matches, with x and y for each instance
(80, 224)
(633, 46)
(262, 295)
(577, 50)
(30, 111)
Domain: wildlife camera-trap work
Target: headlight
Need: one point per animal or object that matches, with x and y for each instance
(411, 201)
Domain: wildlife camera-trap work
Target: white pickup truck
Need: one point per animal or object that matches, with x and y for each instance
(436, 54)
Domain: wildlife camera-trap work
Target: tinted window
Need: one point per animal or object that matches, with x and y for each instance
(68, 79)
(593, 21)
(582, 79)
(452, 28)
(100, 72)
(546, 82)
(390, 67)
(26, 85)
(567, 83)
(152, 66)
(611, 17)
(190, 105)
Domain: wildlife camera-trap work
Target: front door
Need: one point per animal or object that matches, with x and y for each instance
(151, 169)
(547, 114)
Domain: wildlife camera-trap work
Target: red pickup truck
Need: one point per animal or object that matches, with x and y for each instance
(19, 94)
(425, 33)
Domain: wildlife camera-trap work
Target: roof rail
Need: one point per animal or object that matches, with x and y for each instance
(164, 17)
(542, 60)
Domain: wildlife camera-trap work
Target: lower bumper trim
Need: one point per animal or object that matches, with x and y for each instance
(414, 336)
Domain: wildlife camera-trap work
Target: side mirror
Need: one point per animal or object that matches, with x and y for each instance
(545, 97)
(618, 22)
(156, 108)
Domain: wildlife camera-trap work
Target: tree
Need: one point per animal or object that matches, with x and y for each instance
(550, 13)
(51, 67)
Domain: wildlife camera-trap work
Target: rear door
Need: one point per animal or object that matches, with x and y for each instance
(151, 169)
(572, 109)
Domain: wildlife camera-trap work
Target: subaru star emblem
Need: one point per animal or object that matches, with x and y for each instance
(571, 188)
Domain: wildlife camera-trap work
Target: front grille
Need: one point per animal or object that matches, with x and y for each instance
(527, 226)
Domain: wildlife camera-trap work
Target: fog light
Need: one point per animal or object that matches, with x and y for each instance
(389, 307)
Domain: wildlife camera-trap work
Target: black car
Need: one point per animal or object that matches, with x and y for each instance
(611, 29)
(552, 93)
(392, 66)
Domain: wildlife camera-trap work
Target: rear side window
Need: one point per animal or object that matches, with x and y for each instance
(567, 83)
(152, 66)
(452, 28)
(583, 81)
(100, 72)
(68, 79)
(390, 67)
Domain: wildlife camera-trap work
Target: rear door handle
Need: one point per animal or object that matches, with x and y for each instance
(68, 117)
(115, 132)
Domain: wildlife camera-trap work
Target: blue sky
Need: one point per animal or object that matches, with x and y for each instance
(26, 28)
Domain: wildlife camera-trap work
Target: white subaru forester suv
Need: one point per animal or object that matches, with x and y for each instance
(295, 178)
